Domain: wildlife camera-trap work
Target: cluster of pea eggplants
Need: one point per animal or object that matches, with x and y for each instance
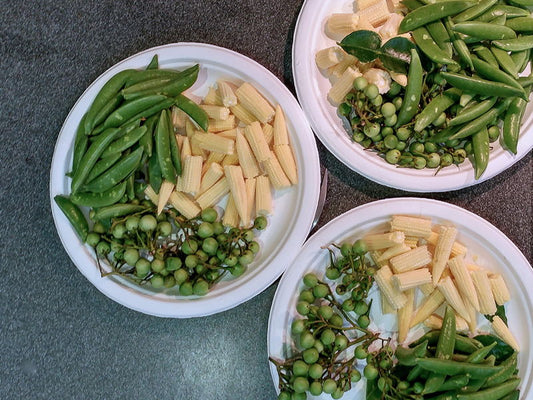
(463, 90)
(124, 142)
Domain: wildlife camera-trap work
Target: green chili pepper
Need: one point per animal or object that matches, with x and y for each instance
(450, 367)
(174, 148)
(472, 112)
(408, 356)
(130, 109)
(512, 121)
(520, 43)
(117, 210)
(481, 148)
(103, 165)
(105, 111)
(487, 71)
(505, 61)
(147, 140)
(521, 24)
(102, 199)
(125, 142)
(481, 86)
(481, 122)
(413, 91)
(118, 172)
(74, 216)
(458, 44)
(486, 55)
(91, 156)
(484, 30)
(162, 144)
(192, 110)
(106, 94)
(478, 355)
(502, 9)
(454, 382)
(154, 172)
(429, 47)
(492, 393)
(435, 108)
(432, 12)
(154, 63)
(475, 11)
(80, 144)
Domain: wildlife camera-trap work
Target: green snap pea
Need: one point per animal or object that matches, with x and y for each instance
(512, 121)
(103, 165)
(443, 135)
(408, 356)
(102, 199)
(414, 373)
(507, 370)
(474, 385)
(149, 74)
(505, 61)
(154, 172)
(154, 63)
(412, 4)
(450, 367)
(116, 210)
(525, 81)
(435, 108)
(521, 59)
(481, 122)
(475, 11)
(481, 86)
(454, 382)
(512, 396)
(147, 113)
(125, 142)
(470, 113)
(91, 156)
(486, 55)
(432, 12)
(487, 71)
(484, 30)
(104, 112)
(432, 337)
(499, 20)
(118, 172)
(130, 109)
(130, 187)
(520, 43)
(147, 140)
(106, 94)
(481, 149)
(429, 47)
(440, 35)
(492, 393)
(464, 344)
(174, 148)
(503, 9)
(478, 355)
(80, 144)
(162, 144)
(139, 89)
(413, 91)
(458, 44)
(192, 110)
(74, 216)
(525, 3)
(521, 24)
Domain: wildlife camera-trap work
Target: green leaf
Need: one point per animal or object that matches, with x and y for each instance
(366, 46)
(500, 312)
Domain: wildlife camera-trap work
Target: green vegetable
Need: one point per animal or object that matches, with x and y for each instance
(192, 110)
(162, 144)
(101, 199)
(74, 216)
(432, 12)
(450, 367)
(413, 90)
(481, 147)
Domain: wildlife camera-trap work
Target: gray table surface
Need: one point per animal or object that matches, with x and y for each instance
(60, 337)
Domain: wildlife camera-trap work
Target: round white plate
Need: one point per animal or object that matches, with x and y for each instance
(312, 88)
(294, 208)
(491, 247)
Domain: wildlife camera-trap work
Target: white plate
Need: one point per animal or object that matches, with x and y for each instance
(312, 88)
(294, 207)
(492, 248)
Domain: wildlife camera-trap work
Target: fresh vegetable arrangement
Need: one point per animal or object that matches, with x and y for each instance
(175, 190)
(431, 84)
(424, 276)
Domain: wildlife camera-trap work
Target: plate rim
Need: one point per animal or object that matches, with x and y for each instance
(379, 171)
(386, 204)
(282, 259)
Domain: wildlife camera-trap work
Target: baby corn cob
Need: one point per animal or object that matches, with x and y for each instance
(376, 13)
(151, 194)
(213, 195)
(428, 307)
(504, 333)
(450, 292)
(427, 289)
(238, 190)
(250, 196)
(247, 160)
(443, 248)
(263, 196)
(411, 279)
(213, 98)
(463, 280)
(216, 143)
(231, 215)
(411, 241)
(434, 321)
(286, 159)
(216, 112)
(338, 70)
(185, 206)
(213, 173)
(386, 307)
(192, 174)
(256, 139)
(383, 279)
(216, 125)
(487, 305)
(413, 259)
(242, 114)
(280, 128)
(404, 316)
(185, 148)
(342, 24)
(254, 102)
(393, 251)
(499, 289)
(381, 241)
(329, 57)
(457, 248)
(230, 159)
(411, 226)
(164, 194)
(375, 255)
(275, 173)
(340, 89)
(227, 94)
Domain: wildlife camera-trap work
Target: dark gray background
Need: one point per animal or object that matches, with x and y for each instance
(59, 337)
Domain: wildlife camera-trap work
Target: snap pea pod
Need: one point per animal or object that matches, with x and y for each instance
(154, 63)
(474, 385)
(147, 140)
(74, 216)
(435, 108)
(102, 199)
(125, 142)
(412, 4)
(521, 24)
(478, 355)
(130, 187)
(118, 172)
(481, 149)
(130, 109)
(492, 393)
(147, 113)
(80, 144)
(481, 86)
(507, 370)
(484, 30)
(480, 122)
(521, 59)
(429, 47)
(505, 61)
(174, 148)
(413, 91)
(454, 382)
(440, 35)
(432, 12)
(154, 172)
(414, 373)
(450, 367)
(103, 165)
(512, 396)
(465, 344)
(192, 110)
(408, 356)
(458, 44)
(512, 122)
(525, 3)
(486, 55)
(107, 93)
(475, 11)
(490, 360)
(139, 76)
(487, 71)
(525, 81)
(91, 156)
(520, 43)
(502, 9)
(104, 112)
(470, 113)
(162, 144)
(117, 210)
(137, 90)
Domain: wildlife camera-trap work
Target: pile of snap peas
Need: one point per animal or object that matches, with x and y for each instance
(332, 336)
(463, 92)
(124, 142)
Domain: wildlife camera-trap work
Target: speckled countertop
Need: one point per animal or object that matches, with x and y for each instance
(60, 337)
